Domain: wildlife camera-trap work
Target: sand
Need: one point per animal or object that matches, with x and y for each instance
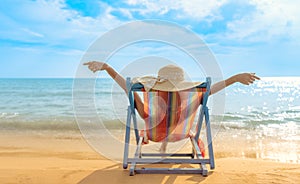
(47, 157)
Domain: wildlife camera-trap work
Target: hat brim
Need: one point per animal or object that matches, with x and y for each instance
(175, 86)
(151, 82)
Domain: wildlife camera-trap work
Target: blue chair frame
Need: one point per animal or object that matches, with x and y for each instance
(194, 157)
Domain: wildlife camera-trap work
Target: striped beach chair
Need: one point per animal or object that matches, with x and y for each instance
(170, 117)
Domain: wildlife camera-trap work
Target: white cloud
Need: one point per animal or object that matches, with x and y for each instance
(271, 20)
(200, 9)
(194, 9)
(33, 33)
(52, 24)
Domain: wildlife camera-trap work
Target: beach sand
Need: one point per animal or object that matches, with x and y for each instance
(47, 157)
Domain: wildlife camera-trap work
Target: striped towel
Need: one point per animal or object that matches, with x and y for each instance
(170, 115)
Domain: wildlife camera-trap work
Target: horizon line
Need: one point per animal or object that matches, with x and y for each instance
(111, 78)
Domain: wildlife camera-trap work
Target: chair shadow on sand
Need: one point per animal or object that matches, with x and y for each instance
(116, 174)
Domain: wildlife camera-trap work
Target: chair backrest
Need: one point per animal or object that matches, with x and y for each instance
(170, 115)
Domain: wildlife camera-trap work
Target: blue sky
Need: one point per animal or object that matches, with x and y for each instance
(48, 38)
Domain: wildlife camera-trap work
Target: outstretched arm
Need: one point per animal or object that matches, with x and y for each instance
(98, 66)
(244, 78)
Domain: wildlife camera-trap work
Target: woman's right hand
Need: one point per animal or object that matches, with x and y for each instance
(96, 65)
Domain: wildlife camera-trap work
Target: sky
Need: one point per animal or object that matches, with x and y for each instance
(41, 38)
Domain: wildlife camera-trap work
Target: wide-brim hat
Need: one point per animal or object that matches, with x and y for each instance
(170, 78)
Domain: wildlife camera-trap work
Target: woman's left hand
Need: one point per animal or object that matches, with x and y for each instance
(246, 78)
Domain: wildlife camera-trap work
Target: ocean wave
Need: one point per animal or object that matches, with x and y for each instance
(57, 123)
(38, 125)
(5, 115)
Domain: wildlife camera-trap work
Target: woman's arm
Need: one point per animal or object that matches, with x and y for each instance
(244, 78)
(98, 66)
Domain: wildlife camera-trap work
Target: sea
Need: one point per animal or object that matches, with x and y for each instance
(268, 110)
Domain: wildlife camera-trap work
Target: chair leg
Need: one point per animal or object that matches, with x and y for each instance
(193, 153)
(125, 165)
(196, 151)
(204, 170)
(209, 139)
(132, 169)
(137, 155)
(127, 138)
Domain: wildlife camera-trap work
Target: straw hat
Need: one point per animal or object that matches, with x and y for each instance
(170, 78)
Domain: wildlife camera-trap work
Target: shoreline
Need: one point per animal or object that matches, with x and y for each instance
(48, 157)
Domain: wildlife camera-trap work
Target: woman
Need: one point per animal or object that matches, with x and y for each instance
(170, 78)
